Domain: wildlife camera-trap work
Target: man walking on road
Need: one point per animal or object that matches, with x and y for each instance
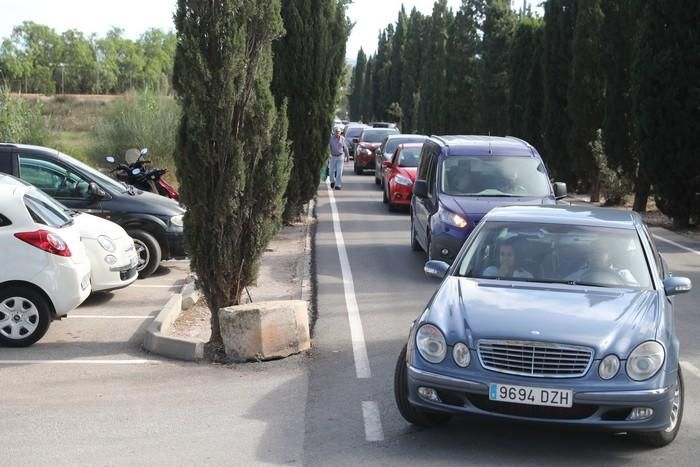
(339, 151)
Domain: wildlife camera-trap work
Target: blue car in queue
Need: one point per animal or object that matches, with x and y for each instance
(550, 314)
(462, 177)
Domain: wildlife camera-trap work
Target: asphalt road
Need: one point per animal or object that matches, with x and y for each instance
(351, 418)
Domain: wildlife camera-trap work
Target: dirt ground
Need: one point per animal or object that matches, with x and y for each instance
(279, 278)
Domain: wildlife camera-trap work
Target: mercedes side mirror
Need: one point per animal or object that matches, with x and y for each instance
(677, 285)
(95, 191)
(560, 190)
(436, 269)
(420, 189)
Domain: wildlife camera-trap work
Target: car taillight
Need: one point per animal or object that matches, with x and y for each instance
(45, 240)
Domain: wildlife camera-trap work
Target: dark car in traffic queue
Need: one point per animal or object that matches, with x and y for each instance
(550, 314)
(462, 177)
(368, 143)
(386, 152)
(352, 134)
(154, 222)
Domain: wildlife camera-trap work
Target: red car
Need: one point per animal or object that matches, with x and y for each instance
(368, 143)
(400, 173)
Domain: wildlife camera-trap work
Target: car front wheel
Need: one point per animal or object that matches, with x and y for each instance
(666, 436)
(25, 316)
(408, 411)
(148, 251)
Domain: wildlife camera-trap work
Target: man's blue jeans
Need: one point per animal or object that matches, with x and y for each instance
(336, 170)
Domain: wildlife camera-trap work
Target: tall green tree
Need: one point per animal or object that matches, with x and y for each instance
(559, 19)
(666, 96)
(357, 84)
(368, 91)
(382, 74)
(534, 93)
(396, 70)
(432, 116)
(309, 61)
(586, 93)
(232, 136)
(463, 50)
(411, 58)
(498, 28)
(523, 53)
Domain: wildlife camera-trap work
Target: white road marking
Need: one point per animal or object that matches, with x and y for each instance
(678, 245)
(154, 286)
(108, 317)
(357, 335)
(80, 362)
(687, 366)
(373, 421)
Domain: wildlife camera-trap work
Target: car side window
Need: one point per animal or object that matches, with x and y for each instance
(4, 221)
(6, 162)
(53, 179)
(432, 171)
(424, 162)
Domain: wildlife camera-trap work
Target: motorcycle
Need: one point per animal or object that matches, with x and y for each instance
(135, 173)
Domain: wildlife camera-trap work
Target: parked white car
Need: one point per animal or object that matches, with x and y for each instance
(112, 254)
(45, 271)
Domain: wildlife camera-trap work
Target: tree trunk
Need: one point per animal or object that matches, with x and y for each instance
(214, 349)
(641, 195)
(595, 188)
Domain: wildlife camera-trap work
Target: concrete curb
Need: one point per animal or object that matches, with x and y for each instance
(157, 342)
(306, 282)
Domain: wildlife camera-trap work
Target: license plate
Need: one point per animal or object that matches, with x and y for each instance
(531, 396)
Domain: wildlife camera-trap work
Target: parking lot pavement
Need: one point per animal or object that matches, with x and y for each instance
(107, 326)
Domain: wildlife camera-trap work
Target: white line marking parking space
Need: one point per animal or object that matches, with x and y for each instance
(678, 245)
(107, 317)
(359, 349)
(689, 367)
(373, 421)
(154, 286)
(80, 362)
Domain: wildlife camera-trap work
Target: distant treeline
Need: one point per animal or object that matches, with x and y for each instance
(37, 59)
(607, 90)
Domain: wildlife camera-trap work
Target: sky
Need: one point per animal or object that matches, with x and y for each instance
(136, 16)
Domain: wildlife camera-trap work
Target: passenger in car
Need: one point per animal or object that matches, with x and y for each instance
(507, 258)
(599, 262)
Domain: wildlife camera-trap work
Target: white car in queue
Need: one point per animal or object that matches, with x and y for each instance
(112, 254)
(45, 271)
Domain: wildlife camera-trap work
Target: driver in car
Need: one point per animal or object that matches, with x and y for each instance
(599, 264)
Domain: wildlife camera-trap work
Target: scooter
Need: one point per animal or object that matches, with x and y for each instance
(137, 174)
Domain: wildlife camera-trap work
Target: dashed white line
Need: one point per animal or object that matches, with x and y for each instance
(678, 245)
(357, 335)
(108, 317)
(689, 367)
(80, 362)
(373, 421)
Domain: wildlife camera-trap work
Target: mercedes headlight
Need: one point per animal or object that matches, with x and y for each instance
(452, 219)
(106, 243)
(645, 360)
(461, 355)
(609, 367)
(401, 180)
(431, 343)
(177, 220)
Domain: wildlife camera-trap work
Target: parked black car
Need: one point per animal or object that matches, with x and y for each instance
(153, 221)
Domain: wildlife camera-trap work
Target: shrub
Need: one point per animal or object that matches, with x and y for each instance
(21, 121)
(142, 119)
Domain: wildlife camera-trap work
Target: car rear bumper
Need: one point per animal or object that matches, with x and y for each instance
(66, 284)
(608, 410)
(364, 162)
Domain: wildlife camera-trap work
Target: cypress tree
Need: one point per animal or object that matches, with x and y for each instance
(368, 92)
(432, 117)
(308, 63)
(398, 42)
(534, 90)
(463, 68)
(411, 58)
(358, 76)
(666, 96)
(559, 21)
(232, 155)
(382, 74)
(522, 57)
(585, 94)
(499, 24)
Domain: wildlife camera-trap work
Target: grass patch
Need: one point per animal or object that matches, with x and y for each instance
(74, 143)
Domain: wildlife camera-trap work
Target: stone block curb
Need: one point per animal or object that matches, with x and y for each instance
(306, 282)
(157, 342)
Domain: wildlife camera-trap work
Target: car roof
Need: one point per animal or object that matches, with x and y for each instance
(407, 136)
(38, 149)
(482, 145)
(571, 215)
